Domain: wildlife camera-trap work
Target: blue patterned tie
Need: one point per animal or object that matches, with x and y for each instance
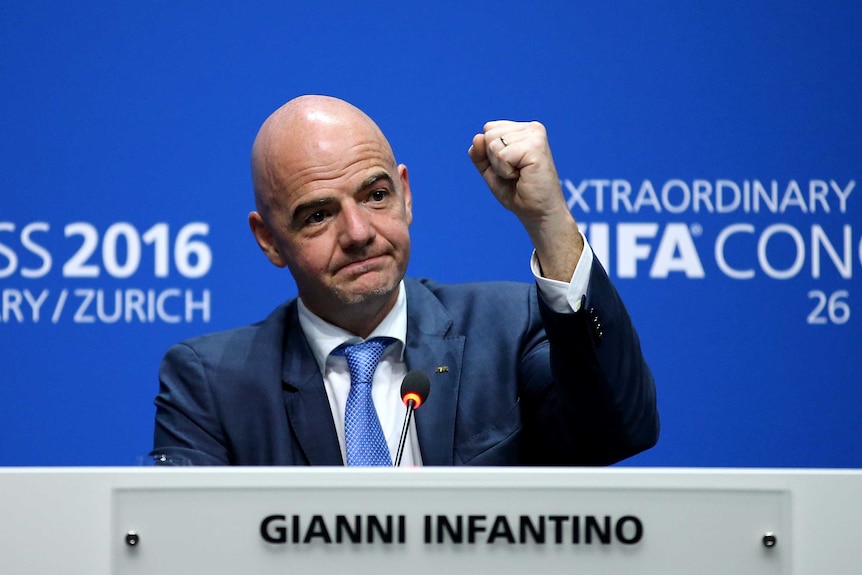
(363, 436)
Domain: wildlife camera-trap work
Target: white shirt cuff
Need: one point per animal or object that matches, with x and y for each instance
(564, 297)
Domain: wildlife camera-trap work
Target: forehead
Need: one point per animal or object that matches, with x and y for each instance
(338, 163)
(316, 146)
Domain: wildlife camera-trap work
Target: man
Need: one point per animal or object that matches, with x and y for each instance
(518, 375)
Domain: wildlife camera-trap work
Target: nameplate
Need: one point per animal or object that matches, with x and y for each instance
(450, 530)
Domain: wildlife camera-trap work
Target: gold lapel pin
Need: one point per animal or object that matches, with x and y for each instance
(442, 369)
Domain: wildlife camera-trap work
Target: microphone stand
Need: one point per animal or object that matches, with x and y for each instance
(403, 440)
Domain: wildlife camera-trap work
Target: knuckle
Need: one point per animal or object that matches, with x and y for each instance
(538, 127)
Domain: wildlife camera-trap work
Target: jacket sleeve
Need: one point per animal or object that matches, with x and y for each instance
(187, 429)
(597, 405)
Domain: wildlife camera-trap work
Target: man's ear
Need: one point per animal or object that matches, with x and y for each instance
(263, 236)
(405, 188)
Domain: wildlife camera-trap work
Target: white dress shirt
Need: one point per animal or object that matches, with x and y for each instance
(323, 337)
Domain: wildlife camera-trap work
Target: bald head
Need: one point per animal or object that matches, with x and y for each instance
(303, 134)
(334, 208)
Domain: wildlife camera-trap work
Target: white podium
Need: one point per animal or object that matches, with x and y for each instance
(435, 520)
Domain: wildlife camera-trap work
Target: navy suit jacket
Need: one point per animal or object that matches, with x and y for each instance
(524, 385)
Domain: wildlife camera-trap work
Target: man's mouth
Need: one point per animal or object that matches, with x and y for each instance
(361, 265)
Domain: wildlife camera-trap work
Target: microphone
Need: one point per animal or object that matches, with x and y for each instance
(414, 391)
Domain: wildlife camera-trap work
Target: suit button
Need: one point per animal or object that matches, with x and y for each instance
(598, 332)
(596, 325)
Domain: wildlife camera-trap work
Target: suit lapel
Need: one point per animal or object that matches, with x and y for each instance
(431, 349)
(305, 401)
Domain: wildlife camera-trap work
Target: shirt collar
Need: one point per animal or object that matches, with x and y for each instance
(324, 337)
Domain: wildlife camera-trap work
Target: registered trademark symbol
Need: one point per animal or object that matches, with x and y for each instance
(696, 229)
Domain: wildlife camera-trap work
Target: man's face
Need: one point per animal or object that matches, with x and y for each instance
(339, 221)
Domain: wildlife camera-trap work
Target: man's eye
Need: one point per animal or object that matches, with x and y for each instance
(378, 195)
(316, 217)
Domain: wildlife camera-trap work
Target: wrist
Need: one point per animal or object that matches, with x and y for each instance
(558, 248)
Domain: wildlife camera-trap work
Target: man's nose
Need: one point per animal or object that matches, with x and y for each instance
(356, 228)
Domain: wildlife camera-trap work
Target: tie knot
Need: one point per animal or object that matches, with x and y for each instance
(362, 358)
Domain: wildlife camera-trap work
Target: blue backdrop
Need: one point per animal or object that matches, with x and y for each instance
(713, 151)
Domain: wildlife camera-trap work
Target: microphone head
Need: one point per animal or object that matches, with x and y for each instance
(415, 386)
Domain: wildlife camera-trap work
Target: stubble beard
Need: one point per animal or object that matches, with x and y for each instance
(381, 292)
